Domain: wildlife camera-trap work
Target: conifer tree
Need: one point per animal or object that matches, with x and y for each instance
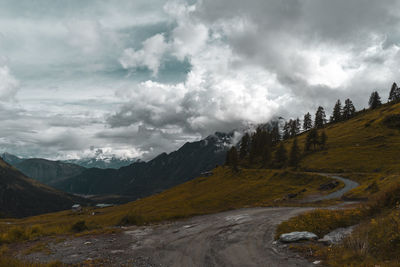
(374, 100)
(281, 156)
(286, 131)
(294, 157)
(298, 126)
(232, 158)
(253, 148)
(320, 118)
(294, 127)
(266, 157)
(275, 135)
(394, 94)
(337, 112)
(307, 123)
(244, 146)
(312, 139)
(259, 141)
(323, 139)
(348, 109)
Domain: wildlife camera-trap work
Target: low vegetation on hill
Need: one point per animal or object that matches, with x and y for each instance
(224, 190)
(364, 149)
(21, 196)
(374, 242)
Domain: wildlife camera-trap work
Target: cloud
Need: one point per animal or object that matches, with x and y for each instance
(143, 77)
(149, 56)
(252, 61)
(8, 84)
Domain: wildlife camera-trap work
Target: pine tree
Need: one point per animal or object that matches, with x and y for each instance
(374, 100)
(320, 118)
(266, 157)
(337, 112)
(275, 135)
(294, 157)
(323, 139)
(286, 131)
(232, 158)
(312, 139)
(294, 127)
(244, 146)
(298, 126)
(307, 123)
(394, 94)
(348, 109)
(281, 156)
(228, 158)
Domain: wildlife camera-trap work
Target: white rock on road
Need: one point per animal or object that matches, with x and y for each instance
(297, 236)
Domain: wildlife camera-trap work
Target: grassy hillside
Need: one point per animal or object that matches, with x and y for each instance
(223, 191)
(21, 196)
(362, 144)
(365, 149)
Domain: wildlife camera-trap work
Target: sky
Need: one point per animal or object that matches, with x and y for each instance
(135, 78)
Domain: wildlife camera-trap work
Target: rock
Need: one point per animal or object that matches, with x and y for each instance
(337, 235)
(328, 186)
(291, 195)
(297, 236)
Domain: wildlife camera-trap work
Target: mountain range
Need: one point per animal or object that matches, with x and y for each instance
(98, 161)
(130, 182)
(141, 179)
(21, 196)
(104, 162)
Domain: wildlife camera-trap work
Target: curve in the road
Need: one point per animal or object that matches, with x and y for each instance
(348, 185)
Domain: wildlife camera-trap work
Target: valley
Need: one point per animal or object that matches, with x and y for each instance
(241, 237)
(234, 209)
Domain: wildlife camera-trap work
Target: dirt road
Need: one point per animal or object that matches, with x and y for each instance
(234, 238)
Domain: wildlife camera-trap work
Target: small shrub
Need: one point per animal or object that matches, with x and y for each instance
(15, 234)
(132, 219)
(373, 187)
(320, 222)
(392, 121)
(387, 199)
(79, 226)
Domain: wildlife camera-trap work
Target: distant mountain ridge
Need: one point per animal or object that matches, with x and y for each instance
(11, 159)
(111, 162)
(134, 181)
(102, 162)
(145, 178)
(21, 196)
(48, 171)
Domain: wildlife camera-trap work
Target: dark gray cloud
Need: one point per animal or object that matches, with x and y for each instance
(143, 77)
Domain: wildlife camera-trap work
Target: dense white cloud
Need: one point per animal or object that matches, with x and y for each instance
(142, 77)
(149, 56)
(8, 84)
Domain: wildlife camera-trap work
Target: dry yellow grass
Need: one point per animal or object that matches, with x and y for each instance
(223, 191)
(361, 144)
(320, 222)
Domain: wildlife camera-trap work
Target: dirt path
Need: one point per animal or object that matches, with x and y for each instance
(348, 185)
(234, 238)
